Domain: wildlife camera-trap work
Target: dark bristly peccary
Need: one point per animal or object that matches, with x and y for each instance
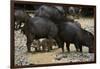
(55, 13)
(50, 11)
(72, 33)
(36, 28)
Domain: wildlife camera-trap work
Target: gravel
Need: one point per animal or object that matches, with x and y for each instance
(74, 57)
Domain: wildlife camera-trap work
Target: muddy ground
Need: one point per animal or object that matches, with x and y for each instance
(22, 57)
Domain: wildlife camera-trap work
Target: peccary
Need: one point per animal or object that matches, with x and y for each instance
(72, 33)
(54, 13)
(36, 28)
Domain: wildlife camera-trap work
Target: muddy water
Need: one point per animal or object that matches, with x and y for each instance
(55, 55)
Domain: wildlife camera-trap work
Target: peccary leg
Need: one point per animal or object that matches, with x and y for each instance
(36, 49)
(50, 47)
(58, 42)
(59, 45)
(80, 46)
(29, 41)
(50, 43)
(77, 46)
(28, 45)
(62, 46)
(67, 46)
